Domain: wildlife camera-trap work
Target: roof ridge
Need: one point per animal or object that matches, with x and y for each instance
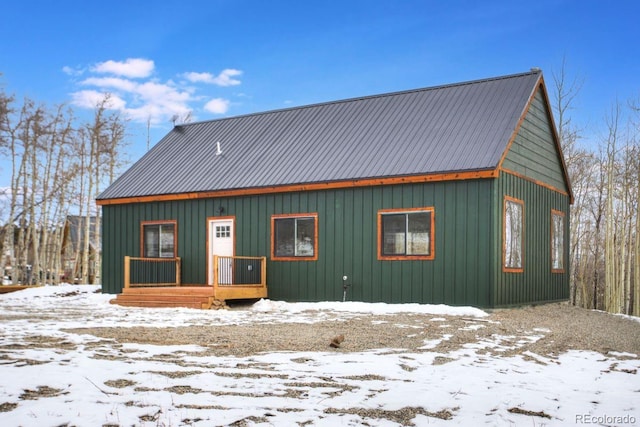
(361, 98)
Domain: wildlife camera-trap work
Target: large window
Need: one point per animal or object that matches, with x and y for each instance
(513, 235)
(406, 234)
(557, 241)
(159, 239)
(294, 237)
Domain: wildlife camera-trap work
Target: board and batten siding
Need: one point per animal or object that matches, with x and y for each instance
(460, 273)
(533, 152)
(537, 282)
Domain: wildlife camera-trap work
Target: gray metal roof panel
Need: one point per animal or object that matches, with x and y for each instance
(458, 127)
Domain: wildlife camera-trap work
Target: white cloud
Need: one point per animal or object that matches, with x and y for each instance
(72, 71)
(91, 98)
(225, 78)
(217, 106)
(111, 82)
(141, 98)
(132, 67)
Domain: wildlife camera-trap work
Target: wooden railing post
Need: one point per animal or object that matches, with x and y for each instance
(127, 275)
(263, 271)
(177, 271)
(215, 271)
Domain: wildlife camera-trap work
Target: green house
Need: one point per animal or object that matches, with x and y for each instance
(453, 194)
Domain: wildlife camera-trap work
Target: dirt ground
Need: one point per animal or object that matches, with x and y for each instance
(546, 330)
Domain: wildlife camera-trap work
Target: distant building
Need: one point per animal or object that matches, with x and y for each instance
(73, 245)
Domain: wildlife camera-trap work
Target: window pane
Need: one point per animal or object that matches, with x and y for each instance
(284, 237)
(513, 234)
(418, 225)
(167, 240)
(223, 231)
(305, 230)
(557, 242)
(151, 241)
(393, 234)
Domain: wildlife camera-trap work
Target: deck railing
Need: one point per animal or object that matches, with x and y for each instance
(148, 272)
(235, 276)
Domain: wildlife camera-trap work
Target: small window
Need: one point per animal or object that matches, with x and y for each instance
(405, 234)
(557, 241)
(294, 237)
(513, 235)
(223, 231)
(159, 240)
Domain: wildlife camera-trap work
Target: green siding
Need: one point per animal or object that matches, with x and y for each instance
(460, 274)
(467, 269)
(536, 283)
(534, 153)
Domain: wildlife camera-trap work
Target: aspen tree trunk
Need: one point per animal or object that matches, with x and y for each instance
(11, 135)
(77, 264)
(24, 231)
(636, 282)
(596, 241)
(612, 298)
(633, 296)
(34, 234)
(621, 242)
(610, 277)
(87, 229)
(565, 94)
(49, 145)
(628, 239)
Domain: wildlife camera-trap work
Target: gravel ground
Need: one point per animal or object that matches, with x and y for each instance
(546, 330)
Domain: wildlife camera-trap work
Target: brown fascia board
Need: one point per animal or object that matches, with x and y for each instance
(366, 182)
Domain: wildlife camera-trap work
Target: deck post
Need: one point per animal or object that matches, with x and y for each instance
(263, 271)
(127, 275)
(177, 271)
(215, 271)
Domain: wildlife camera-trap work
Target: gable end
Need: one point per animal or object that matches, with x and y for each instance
(535, 152)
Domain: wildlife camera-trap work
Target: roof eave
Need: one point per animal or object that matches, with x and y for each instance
(311, 186)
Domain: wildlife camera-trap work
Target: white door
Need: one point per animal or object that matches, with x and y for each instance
(221, 237)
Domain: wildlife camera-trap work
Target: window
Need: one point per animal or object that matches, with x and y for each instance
(159, 239)
(223, 231)
(294, 237)
(513, 235)
(406, 234)
(557, 241)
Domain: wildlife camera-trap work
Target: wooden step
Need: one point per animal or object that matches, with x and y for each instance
(158, 304)
(162, 300)
(180, 290)
(167, 298)
(179, 296)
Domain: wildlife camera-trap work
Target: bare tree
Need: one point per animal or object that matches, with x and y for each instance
(56, 167)
(103, 139)
(577, 161)
(611, 277)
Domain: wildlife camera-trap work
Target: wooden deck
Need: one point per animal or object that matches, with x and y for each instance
(201, 297)
(5, 289)
(156, 282)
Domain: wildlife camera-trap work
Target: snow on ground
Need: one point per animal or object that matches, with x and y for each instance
(83, 380)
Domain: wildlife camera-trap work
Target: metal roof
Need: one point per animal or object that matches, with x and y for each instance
(453, 128)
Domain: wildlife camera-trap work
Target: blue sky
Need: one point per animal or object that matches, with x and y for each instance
(222, 58)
